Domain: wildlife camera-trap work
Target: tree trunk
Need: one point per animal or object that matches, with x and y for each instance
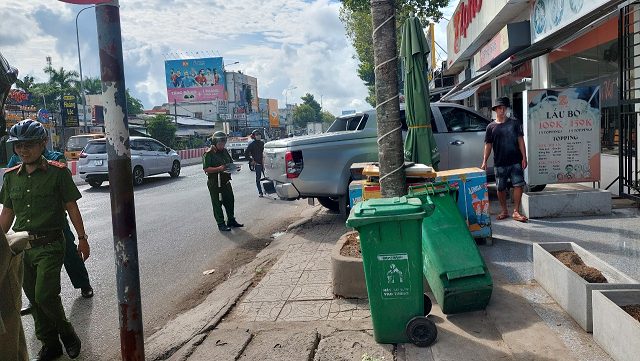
(390, 147)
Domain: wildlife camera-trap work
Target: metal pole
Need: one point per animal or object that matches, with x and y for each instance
(84, 105)
(123, 218)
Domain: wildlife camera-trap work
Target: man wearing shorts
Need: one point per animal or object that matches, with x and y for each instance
(505, 137)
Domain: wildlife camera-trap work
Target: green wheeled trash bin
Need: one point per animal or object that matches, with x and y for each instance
(453, 266)
(389, 231)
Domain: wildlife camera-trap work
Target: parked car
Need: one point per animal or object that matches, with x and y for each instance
(148, 157)
(76, 144)
(318, 166)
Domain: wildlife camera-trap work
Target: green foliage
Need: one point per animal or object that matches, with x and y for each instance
(304, 114)
(191, 142)
(327, 117)
(65, 82)
(26, 83)
(309, 100)
(163, 129)
(134, 105)
(356, 16)
(92, 86)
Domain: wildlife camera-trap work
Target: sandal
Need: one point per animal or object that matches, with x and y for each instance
(502, 216)
(519, 217)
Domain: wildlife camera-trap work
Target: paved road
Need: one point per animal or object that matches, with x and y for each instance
(177, 240)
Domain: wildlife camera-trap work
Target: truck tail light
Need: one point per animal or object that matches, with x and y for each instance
(294, 163)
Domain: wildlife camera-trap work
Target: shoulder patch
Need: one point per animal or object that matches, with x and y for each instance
(57, 164)
(12, 168)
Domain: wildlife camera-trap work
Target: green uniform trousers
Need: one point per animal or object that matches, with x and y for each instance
(42, 266)
(73, 263)
(13, 344)
(227, 200)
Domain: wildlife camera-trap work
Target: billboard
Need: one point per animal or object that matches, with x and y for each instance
(69, 111)
(562, 135)
(194, 80)
(274, 118)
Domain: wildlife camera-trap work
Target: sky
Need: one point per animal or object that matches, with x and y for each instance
(283, 43)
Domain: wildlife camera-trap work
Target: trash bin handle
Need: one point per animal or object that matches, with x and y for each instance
(427, 188)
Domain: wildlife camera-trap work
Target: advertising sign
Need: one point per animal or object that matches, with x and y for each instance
(547, 17)
(346, 112)
(274, 117)
(223, 106)
(18, 97)
(43, 116)
(431, 58)
(562, 135)
(194, 80)
(69, 111)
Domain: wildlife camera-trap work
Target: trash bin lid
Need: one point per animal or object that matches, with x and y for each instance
(384, 210)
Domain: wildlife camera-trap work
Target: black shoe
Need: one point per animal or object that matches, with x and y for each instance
(234, 223)
(224, 228)
(87, 292)
(72, 344)
(26, 310)
(48, 353)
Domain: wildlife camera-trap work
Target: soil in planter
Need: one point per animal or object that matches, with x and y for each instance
(633, 310)
(351, 247)
(575, 263)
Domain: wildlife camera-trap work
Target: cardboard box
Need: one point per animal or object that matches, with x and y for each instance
(355, 192)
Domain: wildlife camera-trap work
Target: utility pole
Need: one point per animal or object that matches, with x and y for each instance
(175, 110)
(123, 217)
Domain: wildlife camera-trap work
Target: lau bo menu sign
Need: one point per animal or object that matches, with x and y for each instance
(562, 134)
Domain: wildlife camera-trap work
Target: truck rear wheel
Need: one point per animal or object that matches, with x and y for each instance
(331, 203)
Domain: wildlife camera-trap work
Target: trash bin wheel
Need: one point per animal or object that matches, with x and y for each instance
(427, 304)
(421, 331)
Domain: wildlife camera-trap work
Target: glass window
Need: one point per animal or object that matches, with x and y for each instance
(460, 120)
(156, 147)
(96, 148)
(484, 100)
(403, 120)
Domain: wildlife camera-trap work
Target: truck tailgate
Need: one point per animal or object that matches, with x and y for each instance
(274, 165)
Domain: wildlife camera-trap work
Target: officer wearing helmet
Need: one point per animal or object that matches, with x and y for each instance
(73, 263)
(215, 161)
(36, 194)
(255, 153)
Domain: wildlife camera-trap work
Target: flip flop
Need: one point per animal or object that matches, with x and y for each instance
(502, 216)
(519, 217)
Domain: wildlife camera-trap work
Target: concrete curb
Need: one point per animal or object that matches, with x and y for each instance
(347, 273)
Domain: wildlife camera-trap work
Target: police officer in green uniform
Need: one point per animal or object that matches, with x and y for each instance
(36, 194)
(215, 162)
(73, 263)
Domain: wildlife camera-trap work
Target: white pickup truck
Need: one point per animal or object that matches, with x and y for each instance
(318, 166)
(237, 145)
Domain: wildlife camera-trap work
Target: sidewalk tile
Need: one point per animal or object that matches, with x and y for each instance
(257, 311)
(314, 277)
(305, 311)
(269, 294)
(321, 261)
(280, 278)
(311, 292)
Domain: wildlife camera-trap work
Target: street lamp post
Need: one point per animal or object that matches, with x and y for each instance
(84, 105)
(286, 101)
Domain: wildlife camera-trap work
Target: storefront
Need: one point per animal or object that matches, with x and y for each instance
(574, 45)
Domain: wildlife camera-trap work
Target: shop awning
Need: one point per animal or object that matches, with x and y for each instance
(465, 91)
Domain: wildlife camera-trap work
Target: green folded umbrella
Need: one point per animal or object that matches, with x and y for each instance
(420, 145)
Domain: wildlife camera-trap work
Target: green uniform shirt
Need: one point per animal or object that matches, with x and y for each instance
(38, 199)
(215, 158)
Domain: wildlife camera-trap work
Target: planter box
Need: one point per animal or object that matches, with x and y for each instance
(571, 291)
(347, 273)
(614, 329)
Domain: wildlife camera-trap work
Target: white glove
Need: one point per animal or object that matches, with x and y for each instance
(18, 241)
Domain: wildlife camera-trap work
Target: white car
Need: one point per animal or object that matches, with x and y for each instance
(148, 157)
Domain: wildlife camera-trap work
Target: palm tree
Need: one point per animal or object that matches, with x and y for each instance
(63, 80)
(26, 83)
(93, 86)
(390, 150)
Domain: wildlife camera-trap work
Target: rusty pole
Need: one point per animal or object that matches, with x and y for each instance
(123, 216)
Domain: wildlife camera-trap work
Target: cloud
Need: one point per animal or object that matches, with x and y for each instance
(283, 43)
